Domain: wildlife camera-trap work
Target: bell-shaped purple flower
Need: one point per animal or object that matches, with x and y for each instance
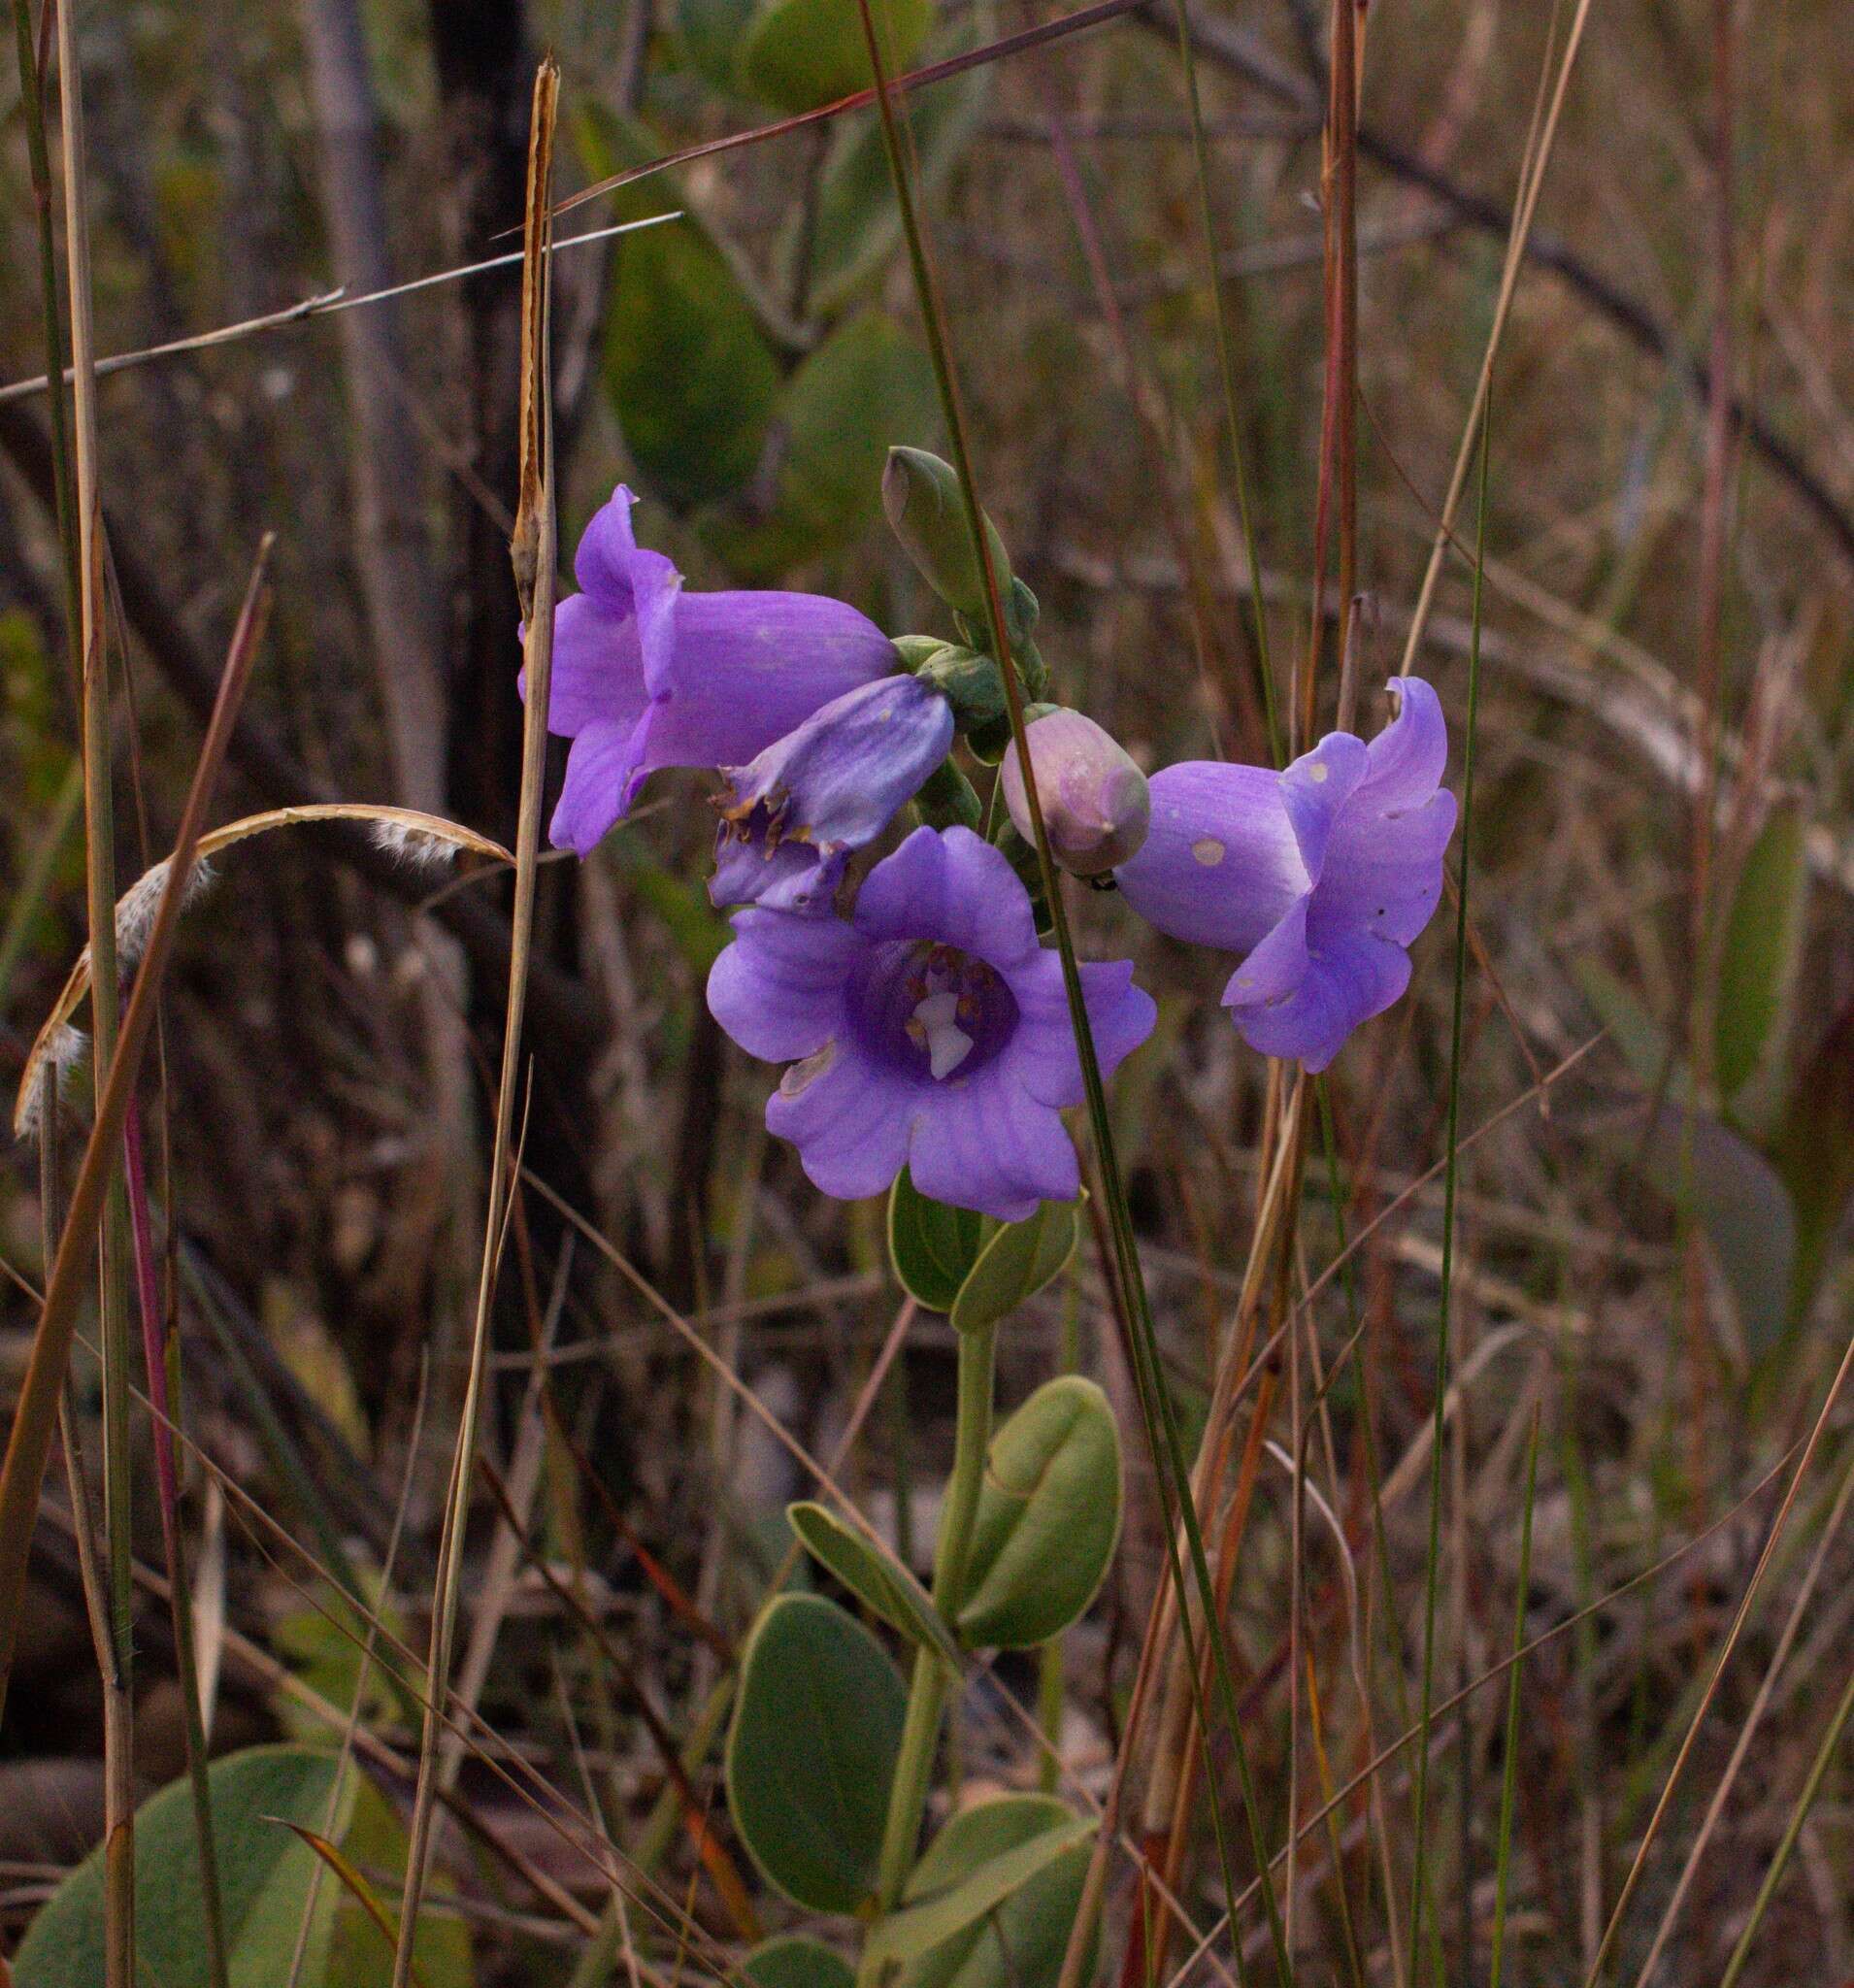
(929, 1029)
(1095, 801)
(790, 819)
(645, 675)
(1319, 877)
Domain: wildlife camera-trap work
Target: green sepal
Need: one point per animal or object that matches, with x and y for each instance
(1021, 856)
(948, 800)
(932, 1246)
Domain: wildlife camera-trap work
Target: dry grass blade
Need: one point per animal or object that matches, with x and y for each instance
(116, 1648)
(325, 304)
(1739, 1618)
(1532, 179)
(533, 552)
(1747, 1732)
(417, 838)
(353, 1882)
(28, 1443)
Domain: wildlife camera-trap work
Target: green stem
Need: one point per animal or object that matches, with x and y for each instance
(1418, 1882)
(927, 1695)
(1156, 1409)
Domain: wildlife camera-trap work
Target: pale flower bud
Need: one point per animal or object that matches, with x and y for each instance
(1094, 799)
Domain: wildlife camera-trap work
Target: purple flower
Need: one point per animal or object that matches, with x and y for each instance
(1319, 877)
(929, 1027)
(791, 819)
(645, 675)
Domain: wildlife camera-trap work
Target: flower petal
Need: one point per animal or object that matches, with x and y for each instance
(1315, 789)
(1276, 967)
(949, 886)
(1407, 760)
(1346, 982)
(1042, 1052)
(1384, 875)
(746, 668)
(850, 1125)
(1220, 863)
(793, 876)
(598, 670)
(604, 767)
(828, 787)
(989, 1146)
(777, 990)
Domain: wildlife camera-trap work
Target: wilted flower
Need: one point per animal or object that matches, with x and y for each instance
(1319, 877)
(790, 819)
(930, 1029)
(645, 675)
(1095, 803)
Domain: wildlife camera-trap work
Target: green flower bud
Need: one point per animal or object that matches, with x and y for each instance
(927, 509)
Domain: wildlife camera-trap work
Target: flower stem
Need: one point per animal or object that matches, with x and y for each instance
(927, 1697)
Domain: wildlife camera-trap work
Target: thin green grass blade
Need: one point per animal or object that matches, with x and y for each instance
(1510, 1770)
(1791, 1830)
(1451, 1180)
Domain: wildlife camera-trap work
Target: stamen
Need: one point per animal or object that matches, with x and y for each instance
(948, 1043)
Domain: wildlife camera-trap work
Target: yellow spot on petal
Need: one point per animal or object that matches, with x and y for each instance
(1208, 851)
(1318, 770)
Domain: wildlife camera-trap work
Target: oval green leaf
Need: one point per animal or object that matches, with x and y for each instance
(858, 224)
(876, 1579)
(816, 1730)
(1049, 1518)
(687, 370)
(1761, 948)
(932, 1246)
(992, 1900)
(1740, 1202)
(794, 1962)
(800, 54)
(1814, 1152)
(711, 32)
(1016, 1265)
(264, 1873)
(867, 385)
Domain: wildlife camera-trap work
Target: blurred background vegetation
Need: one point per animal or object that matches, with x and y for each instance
(327, 1055)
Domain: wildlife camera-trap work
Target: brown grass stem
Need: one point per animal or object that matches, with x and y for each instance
(533, 551)
(28, 1441)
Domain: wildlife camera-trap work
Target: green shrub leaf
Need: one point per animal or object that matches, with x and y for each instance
(816, 1730)
(868, 384)
(800, 54)
(1761, 948)
(711, 33)
(858, 224)
(876, 1579)
(1016, 1265)
(264, 1875)
(1049, 1518)
(1740, 1201)
(794, 1962)
(993, 1898)
(932, 1246)
(1814, 1152)
(687, 370)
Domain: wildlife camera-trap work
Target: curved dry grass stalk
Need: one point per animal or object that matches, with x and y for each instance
(420, 840)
